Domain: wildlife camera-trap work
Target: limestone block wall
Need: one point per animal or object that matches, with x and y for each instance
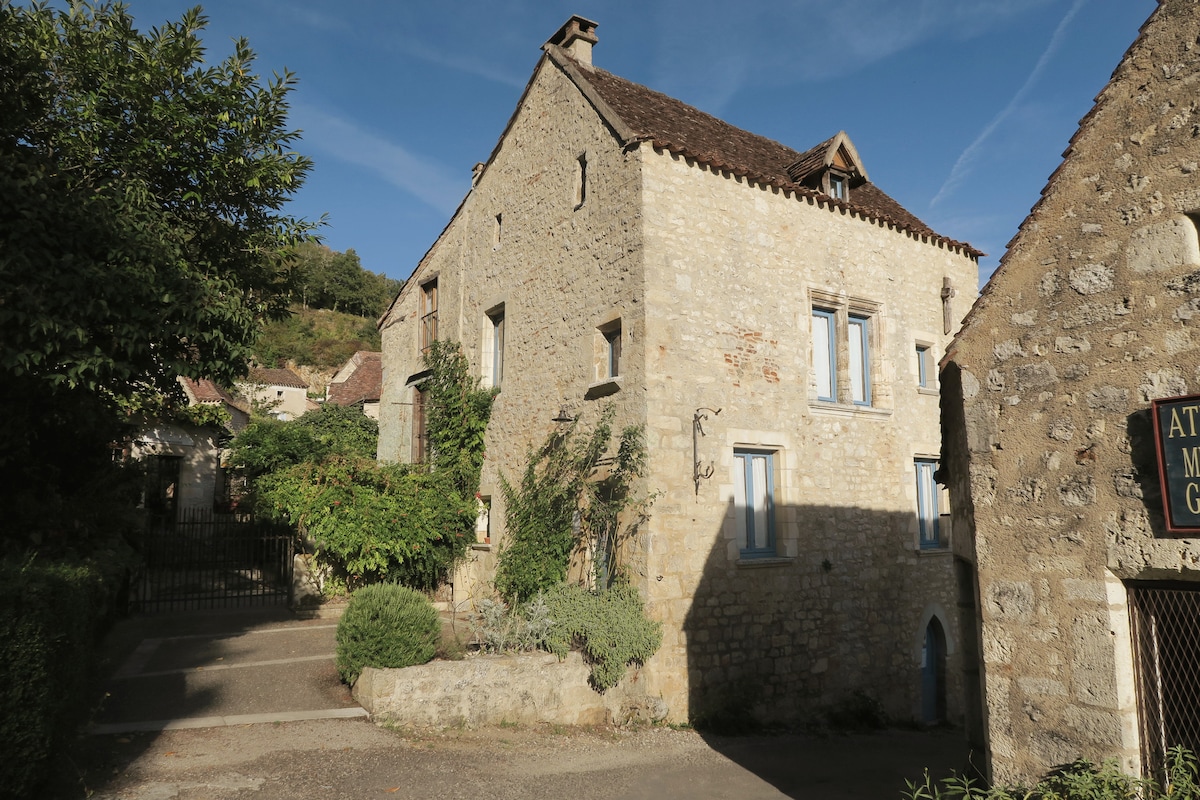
(1091, 316)
(561, 267)
(732, 275)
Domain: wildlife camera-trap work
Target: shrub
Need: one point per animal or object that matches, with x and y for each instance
(372, 522)
(497, 628)
(51, 616)
(609, 626)
(386, 625)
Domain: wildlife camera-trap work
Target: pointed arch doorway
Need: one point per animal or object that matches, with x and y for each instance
(933, 674)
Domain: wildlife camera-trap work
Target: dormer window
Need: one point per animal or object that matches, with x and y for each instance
(838, 186)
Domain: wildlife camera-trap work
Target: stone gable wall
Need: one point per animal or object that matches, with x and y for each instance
(1091, 316)
(560, 272)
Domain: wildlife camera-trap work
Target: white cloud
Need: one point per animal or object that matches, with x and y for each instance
(428, 181)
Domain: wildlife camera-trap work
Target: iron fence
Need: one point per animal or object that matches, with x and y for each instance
(206, 560)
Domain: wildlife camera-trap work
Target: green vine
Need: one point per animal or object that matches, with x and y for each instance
(459, 411)
(570, 497)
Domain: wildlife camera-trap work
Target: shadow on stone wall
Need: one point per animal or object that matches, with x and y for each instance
(829, 641)
(1143, 480)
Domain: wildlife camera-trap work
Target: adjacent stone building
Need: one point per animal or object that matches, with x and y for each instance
(774, 321)
(1087, 608)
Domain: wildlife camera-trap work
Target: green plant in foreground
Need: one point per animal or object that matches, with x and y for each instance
(386, 625)
(1082, 780)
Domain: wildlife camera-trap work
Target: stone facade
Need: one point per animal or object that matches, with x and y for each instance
(1055, 492)
(709, 275)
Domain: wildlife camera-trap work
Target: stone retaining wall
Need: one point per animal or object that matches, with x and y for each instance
(483, 690)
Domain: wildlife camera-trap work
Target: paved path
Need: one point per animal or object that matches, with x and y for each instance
(214, 669)
(248, 706)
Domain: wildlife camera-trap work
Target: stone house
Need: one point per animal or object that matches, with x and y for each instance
(185, 469)
(358, 383)
(1087, 602)
(278, 391)
(773, 320)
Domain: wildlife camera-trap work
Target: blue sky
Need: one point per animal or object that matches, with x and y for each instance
(960, 109)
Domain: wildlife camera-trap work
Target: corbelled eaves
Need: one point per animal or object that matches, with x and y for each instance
(644, 115)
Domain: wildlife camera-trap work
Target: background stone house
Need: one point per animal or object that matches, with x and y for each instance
(773, 320)
(185, 472)
(278, 391)
(1087, 608)
(358, 383)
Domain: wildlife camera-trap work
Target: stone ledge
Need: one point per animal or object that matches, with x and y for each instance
(487, 690)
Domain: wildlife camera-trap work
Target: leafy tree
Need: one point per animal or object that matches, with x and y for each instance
(337, 281)
(270, 445)
(141, 231)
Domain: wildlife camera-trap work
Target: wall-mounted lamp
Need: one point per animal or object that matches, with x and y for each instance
(564, 416)
(699, 473)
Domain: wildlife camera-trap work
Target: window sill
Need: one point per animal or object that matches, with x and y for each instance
(752, 562)
(603, 388)
(848, 409)
(484, 546)
(928, 390)
(943, 550)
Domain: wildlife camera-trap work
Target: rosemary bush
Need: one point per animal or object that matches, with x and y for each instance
(610, 627)
(386, 625)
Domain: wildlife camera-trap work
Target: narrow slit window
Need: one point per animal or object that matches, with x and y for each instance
(612, 338)
(928, 513)
(429, 314)
(494, 347)
(497, 231)
(581, 182)
(924, 367)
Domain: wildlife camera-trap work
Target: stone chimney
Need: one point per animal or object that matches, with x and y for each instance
(576, 36)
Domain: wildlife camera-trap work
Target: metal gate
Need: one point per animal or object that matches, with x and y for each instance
(1165, 618)
(205, 560)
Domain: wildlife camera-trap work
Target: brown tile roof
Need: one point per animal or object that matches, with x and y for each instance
(276, 377)
(364, 383)
(639, 114)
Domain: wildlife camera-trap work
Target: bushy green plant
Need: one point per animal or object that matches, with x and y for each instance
(386, 625)
(500, 628)
(270, 445)
(374, 522)
(51, 616)
(609, 626)
(1082, 780)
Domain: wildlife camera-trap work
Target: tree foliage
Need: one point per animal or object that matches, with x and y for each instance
(269, 445)
(375, 522)
(337, 281)
(141, 227)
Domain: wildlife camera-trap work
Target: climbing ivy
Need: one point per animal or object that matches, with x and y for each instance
(565, 502)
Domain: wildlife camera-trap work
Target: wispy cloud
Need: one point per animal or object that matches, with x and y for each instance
(428, 181)
(459, 62)
(787, 42)
(967, 159)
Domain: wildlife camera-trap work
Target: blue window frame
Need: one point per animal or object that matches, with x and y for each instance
(924, 368)
(824, 355)
(859, 346)
(927, 504)
(754, 502)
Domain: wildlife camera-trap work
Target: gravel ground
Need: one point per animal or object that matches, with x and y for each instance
(353, 759)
